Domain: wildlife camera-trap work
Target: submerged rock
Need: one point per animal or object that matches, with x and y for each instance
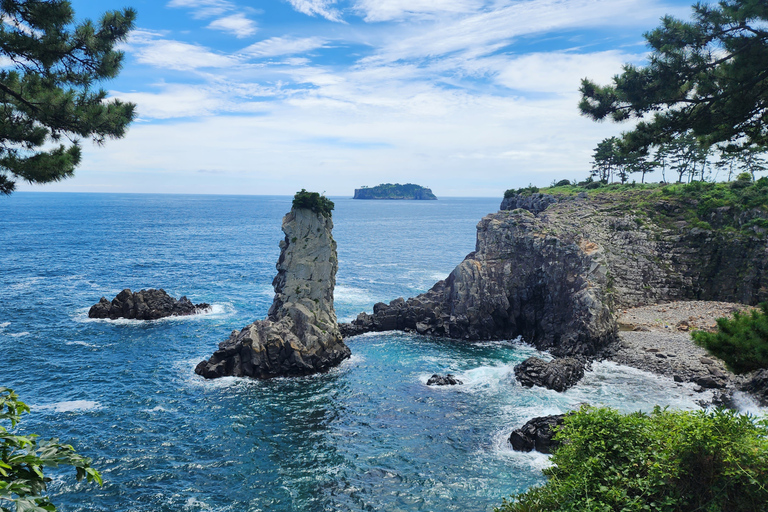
(439, 380)
(558, 374)
(537, 434)
(300, 336)
(144, 305)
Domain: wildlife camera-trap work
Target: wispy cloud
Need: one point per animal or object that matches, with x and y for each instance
(275, 46)
(236, 24)
(204, 8)
(388, 10)
(151, 48)
(322, 8)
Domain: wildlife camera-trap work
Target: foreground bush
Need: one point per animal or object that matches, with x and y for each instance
(676, 461)
(741, 342)
(22, 459)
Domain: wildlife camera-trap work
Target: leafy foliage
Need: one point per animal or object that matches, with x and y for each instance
(22, 459)
(676, 461)
(708, 75)
(526, 191)
(47, 95)
(313, 201)
(742, 342)
(395, 191)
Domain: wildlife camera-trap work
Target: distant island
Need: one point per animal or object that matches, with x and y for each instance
(396, 191)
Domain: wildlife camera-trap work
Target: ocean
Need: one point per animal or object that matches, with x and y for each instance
(366, 436)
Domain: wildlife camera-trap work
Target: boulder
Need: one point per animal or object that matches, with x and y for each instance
(300, 335)
(558, 374)
(144, 305)
(757, 384)
(439, 380)
(537, 434)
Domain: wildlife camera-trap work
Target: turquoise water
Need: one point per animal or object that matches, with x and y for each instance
(369, 435)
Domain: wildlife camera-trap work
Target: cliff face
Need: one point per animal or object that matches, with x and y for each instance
(553, 270)
(523, 279)
(300, 335)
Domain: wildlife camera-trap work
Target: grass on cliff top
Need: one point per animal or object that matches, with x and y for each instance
(696, 203)
(675, 461)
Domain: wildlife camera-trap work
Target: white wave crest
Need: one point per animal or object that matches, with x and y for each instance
(18, 334)
(70, 406)
(81, 343)
(4, 325)
(216, 311)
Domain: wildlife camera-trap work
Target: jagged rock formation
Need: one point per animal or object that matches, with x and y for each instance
(537, 434)
(558, 374)
(300, 335)
(524, 279)
(447, 380)
(756, 383)
(557, 275)
(144, 305)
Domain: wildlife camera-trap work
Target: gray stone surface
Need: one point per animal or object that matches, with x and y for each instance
(300, 335)
(144, 305)
(558, 374)
(537, 434)
(524, 279)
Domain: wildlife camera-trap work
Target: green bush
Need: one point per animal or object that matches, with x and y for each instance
(675, 461)
(23, 458)
(313, 201)
(741, 342)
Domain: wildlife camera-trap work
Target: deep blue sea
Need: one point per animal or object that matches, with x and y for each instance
(367, 436)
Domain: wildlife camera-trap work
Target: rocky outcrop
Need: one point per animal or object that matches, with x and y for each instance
(526, 279)
(534, 203)
(756, 384)
(537, 434)
(300, 335)
(655, 252)
(558, 374)
(447, 380)
(144, 305)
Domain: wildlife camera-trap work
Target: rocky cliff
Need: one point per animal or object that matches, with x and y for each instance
(524, 279)
(300, 336)
(555, 269)
(395, 191)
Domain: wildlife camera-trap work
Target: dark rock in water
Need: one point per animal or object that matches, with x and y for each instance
(439, 380)
(757, 385)
(710, 382)
(558, 374)
(537, 434)
(144, 305)
(300, 336)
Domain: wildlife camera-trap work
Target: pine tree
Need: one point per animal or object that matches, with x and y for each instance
(48, 95)
(708, 76)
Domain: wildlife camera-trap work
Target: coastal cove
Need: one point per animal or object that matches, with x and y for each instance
(368, 435)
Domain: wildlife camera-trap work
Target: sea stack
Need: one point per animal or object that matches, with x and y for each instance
(300, 335)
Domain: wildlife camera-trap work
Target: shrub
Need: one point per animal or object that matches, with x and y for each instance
(742, 342)
(313, 201)
(677, 461)
(22, 459)
(563, 183)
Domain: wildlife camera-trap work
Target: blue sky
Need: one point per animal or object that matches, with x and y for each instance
(468, 97)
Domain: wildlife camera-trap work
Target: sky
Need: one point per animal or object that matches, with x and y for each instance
(467, 97)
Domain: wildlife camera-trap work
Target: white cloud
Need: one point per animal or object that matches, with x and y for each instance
(317, 8)
(236, 24)
(204, 8)
(169, 54)
(387, 10)
(486, 31)
(275, 46)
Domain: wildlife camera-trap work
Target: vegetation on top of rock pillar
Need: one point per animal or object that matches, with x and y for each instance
(741, 342)
(313, 201)
(22, 459)
(679, 461)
